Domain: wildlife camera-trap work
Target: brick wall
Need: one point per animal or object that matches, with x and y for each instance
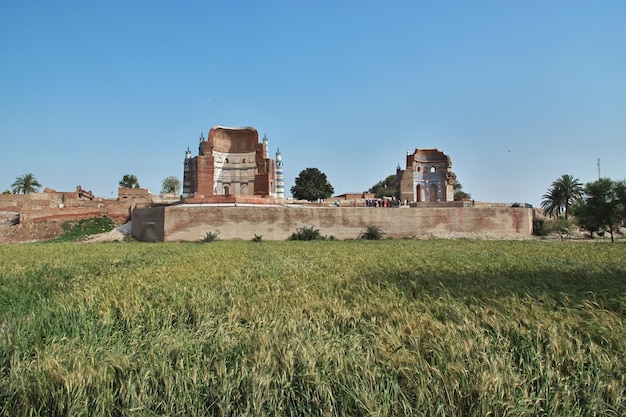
(204, 175)
(69, 206)
(192, 222)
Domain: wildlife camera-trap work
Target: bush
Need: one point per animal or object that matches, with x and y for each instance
(306, 233)
(564, 226)
(257, 238)
(540, 228)
(210, 237)
(545, 227)
(73, 230)
(372, 233)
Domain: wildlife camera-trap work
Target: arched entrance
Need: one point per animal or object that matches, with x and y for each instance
(432, 193)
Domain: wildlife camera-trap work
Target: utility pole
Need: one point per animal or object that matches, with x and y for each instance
(599, 168)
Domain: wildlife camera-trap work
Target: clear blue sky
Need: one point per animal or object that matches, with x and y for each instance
(517, 93)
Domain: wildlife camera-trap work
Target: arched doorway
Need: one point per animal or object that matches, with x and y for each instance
(418, 193)
(227, 190)
(432, 193)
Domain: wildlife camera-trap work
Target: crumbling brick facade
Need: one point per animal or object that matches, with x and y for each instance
(231, 161)
(428, 177)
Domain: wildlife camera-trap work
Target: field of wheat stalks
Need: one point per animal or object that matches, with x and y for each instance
(326, 328)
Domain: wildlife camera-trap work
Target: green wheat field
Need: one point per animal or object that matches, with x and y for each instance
(324, 328)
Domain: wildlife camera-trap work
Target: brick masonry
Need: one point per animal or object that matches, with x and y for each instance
(60, 206)
(192, 222)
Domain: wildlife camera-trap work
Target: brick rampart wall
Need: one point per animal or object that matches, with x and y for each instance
(191, 223)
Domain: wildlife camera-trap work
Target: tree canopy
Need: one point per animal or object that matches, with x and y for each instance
(384, 188)
(129, 181)
(26, 184)
(311, 185)
(459, 194)
(171, 185)
(561, 196)
(602, 207)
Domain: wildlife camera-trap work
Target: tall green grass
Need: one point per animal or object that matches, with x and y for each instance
(324, 328)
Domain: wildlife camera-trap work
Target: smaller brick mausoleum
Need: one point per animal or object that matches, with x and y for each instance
(428, 177)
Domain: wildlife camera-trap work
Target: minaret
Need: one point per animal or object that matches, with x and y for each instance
(398, 181)
(187, 175)
(265, 146)
(280, 187)
(201, 146)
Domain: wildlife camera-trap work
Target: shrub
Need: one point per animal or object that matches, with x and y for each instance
(210, 237)
(257, 238)
(73, 230)
(558, 226)
(564, 226)
(306, 233)
(372, 233)
(540, 228)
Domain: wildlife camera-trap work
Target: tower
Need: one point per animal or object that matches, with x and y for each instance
(188, 177)
(280, 186)
(265, 146)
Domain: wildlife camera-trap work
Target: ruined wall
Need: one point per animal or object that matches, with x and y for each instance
(69, 206)
(191, 223)
(233, 139)
(203, 174)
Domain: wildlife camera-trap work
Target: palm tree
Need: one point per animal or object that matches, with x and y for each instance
(550, 203)
(26, 184)
(562, 195)
(129, 181)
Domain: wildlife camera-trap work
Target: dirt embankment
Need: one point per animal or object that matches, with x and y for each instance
(30, 232)
(11, 231)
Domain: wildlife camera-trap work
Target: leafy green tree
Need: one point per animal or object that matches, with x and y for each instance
(7, 191)
(26, 184)
(129, 181)
(311, 185)
(171, 185)
(600, 207)
(620, 193)
(384, 188)
(459, 194)
(561, 196)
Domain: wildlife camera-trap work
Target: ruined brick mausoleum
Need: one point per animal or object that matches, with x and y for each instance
(232, 161)
(428, 177)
